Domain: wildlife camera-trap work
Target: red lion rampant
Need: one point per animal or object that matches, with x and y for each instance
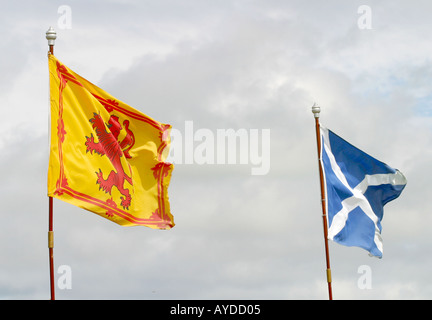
(110, 146)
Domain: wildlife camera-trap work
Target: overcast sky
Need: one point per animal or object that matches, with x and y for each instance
(239, 64)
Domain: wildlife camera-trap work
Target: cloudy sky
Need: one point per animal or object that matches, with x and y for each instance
(239, 64)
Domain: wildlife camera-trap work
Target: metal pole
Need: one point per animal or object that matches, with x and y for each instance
(51, 35)
(316, 111)
(51, 248)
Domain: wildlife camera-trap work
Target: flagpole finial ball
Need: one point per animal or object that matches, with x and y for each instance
(51, 35)
(316, 110)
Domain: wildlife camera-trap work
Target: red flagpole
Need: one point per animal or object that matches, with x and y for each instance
(51, 248)
(51, 35)
(316, 111)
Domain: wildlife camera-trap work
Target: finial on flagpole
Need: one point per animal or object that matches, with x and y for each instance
(316, 110)
(51, 35)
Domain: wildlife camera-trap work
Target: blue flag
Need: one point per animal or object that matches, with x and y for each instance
(357, 188)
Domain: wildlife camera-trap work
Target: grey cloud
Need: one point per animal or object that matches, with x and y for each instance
(236, 64)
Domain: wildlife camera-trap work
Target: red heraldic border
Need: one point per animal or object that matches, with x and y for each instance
(159, 219)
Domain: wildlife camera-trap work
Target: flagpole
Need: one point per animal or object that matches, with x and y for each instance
(316, 111)
(51, 35)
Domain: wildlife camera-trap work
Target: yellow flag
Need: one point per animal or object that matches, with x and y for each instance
(105, 156)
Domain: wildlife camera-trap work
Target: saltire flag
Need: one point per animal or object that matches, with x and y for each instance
(105, 156)
(357, 188)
